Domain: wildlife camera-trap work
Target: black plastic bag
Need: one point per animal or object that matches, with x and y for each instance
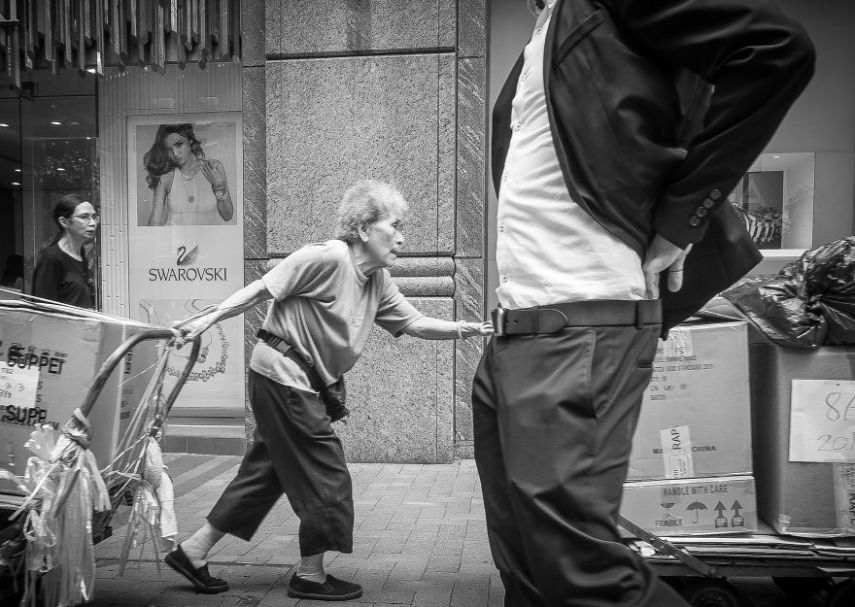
(830, 287)
(809, 303)
(769, 303)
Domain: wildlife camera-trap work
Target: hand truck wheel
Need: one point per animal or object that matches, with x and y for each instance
(803, 587)
(841, 595)
(712, 593)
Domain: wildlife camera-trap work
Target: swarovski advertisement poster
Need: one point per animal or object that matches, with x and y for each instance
(185, 187)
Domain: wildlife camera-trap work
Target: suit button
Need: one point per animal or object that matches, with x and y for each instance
(694, 221)
(708, 203)
(701, 212)
(715, 194)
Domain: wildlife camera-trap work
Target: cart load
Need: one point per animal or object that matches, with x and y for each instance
(80, 437)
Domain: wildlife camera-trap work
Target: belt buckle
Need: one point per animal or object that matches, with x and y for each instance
(498, 317)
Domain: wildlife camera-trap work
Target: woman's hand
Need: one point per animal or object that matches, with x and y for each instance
(192, 329)
(427, 327)
(215, 174)
(475, 329)
(193, 326)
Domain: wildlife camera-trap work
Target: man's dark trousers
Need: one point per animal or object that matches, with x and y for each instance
(554, 416)
(295, 451)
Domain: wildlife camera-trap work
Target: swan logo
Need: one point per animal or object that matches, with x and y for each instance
(185, 257)
(186, 271)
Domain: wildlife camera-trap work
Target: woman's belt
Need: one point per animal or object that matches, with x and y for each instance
(279, 344)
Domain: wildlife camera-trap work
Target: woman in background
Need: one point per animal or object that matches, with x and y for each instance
(62, 271)
(188, 188)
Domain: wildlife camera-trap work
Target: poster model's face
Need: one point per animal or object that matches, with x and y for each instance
(179, 148)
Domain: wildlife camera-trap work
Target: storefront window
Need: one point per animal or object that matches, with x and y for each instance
(776, 199)
(11, 178)
(49, 138)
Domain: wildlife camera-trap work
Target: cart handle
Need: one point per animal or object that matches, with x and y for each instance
(666, 547)
(111, 362)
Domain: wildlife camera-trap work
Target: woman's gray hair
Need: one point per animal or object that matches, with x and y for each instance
(365, 202)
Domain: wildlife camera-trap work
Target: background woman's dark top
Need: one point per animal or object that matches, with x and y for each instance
(60, 277)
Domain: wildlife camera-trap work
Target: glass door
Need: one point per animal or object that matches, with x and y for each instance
(47, 149)
(59, 137)
(12, 248)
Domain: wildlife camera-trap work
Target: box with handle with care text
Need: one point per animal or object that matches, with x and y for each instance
(692, 506)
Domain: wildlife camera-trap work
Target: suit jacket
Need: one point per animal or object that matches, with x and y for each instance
(657, 109)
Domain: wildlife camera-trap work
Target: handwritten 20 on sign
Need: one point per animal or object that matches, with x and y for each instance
(822, 421)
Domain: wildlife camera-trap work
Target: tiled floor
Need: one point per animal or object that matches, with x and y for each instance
(420, 540)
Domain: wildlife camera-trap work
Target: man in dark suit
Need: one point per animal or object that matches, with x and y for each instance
(616, 140)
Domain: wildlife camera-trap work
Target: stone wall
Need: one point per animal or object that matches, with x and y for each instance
(395, 90)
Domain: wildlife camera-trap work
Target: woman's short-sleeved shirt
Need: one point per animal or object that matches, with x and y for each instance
(324, 306)
(60, 277)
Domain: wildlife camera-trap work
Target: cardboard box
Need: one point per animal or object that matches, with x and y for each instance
(692, 506)
(10, 294)
(797, 498)
(50, 355)
(696, 414)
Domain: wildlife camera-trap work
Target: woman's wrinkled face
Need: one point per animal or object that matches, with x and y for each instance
(385, 239)
(179, 148)
(83, 222)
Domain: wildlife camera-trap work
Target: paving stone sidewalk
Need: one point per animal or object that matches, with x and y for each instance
(420, 539)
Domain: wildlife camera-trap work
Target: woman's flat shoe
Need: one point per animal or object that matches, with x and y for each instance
(333, 589)
(198, 576)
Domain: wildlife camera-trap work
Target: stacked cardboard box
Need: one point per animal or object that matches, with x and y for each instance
(49, 357)
(795, 497)
(691, 463)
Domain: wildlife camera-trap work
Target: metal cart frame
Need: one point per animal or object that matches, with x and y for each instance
(12, 541)
(700, 566)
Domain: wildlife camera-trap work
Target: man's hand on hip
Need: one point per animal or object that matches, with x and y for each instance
(662, 255)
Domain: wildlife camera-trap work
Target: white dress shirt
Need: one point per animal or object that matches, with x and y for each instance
(548, 248)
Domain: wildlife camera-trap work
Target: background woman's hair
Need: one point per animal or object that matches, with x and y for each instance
(158, 161)
(364, 203)
(64, 207)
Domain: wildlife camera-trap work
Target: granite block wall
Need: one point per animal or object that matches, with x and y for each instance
(338, 90)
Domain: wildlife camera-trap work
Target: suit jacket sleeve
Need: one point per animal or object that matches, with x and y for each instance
(758, 61)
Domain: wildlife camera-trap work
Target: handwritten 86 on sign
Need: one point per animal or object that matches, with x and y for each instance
(822, 421)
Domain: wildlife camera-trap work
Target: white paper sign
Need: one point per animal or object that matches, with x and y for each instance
(822, 421)
(677, 457)
(18, 388)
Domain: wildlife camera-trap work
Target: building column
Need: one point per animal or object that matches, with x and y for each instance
(392, 91)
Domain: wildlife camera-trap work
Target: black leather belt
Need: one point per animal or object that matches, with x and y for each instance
(277, 343)
(595, 313)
